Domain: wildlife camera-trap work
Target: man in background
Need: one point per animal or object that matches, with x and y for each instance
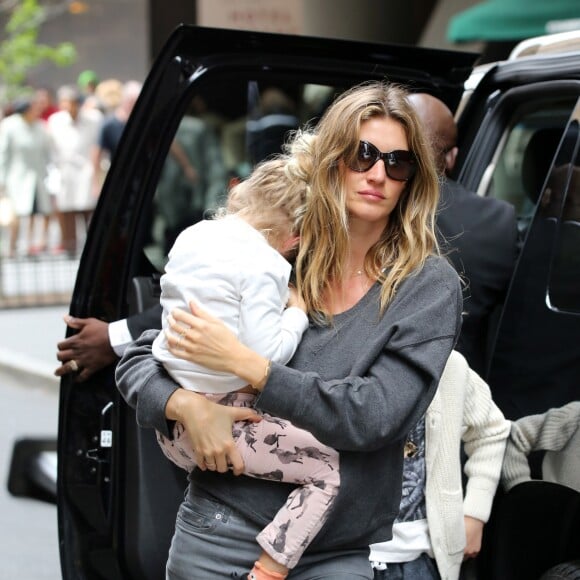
(477, 234)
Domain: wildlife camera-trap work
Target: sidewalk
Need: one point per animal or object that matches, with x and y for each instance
(34, 296)
(28, 343)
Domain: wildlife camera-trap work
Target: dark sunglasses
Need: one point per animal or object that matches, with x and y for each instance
(400, 165)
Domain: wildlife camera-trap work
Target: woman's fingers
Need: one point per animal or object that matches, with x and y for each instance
(199, 312)
(210, 463)
(244, 414)
(176, 327)
(183, 318)
(221, 464)
(208, 341)
(209, 426)
(235, 462)
(218, 452)
(196, 319)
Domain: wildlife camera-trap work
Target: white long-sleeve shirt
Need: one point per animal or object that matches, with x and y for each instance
(229, 269)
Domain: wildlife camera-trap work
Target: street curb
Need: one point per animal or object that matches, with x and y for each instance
(28, 369)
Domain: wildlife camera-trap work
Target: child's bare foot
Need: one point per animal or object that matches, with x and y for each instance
(267, 569)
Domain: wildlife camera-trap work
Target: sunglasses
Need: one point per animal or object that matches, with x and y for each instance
(400, 165)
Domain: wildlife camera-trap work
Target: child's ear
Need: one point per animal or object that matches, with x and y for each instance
(294, 242)
(290, 244)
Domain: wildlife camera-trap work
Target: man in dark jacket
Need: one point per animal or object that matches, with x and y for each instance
(478, 234)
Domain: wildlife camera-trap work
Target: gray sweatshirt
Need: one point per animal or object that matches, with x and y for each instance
(359, 385)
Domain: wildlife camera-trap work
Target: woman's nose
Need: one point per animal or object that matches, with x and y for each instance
(378, 172)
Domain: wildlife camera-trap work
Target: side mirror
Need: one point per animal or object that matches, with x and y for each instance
(33, 469)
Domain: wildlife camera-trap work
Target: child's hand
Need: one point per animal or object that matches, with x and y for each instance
(296, 300)
(473, 536)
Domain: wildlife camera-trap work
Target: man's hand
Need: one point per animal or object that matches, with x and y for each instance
(87, 351)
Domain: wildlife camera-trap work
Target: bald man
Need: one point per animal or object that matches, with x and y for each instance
(478, 234)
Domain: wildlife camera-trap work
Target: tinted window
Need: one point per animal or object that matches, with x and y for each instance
(526, 153)
(564, 288)
(225, 131)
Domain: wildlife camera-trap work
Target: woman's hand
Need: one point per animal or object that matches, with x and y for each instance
(205, 340)
(209, 427)
(202, 339)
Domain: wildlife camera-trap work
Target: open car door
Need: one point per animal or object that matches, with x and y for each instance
(226, 99)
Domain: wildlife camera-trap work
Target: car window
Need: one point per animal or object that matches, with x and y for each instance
(562, 198)
(525, 154)
(224, 132)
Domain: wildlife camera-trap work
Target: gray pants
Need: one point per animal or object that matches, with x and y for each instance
(423, 568)
(212, 542)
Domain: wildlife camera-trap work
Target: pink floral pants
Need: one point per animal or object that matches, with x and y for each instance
(274, 449)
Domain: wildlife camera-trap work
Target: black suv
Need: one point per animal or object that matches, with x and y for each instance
(232, 96)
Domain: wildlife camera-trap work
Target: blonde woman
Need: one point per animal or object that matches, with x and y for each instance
(384, 314)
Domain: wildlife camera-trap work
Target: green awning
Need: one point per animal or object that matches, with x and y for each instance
(505, 20)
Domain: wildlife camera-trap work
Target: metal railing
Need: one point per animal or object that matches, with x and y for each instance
(40, 280)
(32, 277)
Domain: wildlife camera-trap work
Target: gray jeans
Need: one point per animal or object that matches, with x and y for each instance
(423, 568)
(213, 542)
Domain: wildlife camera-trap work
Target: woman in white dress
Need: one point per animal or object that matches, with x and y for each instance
(24, 159)
(74, 131)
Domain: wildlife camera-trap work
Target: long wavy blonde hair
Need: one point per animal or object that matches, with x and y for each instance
(409, 237)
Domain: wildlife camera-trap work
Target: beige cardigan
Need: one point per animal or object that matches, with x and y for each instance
(558, 432)
(462, 410)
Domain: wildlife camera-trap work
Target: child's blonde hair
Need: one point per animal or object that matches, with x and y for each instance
(274, 195)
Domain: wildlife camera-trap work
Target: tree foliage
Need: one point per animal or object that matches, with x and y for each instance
(21, 52)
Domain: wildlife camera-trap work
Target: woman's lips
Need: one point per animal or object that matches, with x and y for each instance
(372, 194)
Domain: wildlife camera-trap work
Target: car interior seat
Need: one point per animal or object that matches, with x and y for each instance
(537, 160)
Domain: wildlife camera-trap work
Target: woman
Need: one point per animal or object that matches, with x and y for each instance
(74, 132)
(385, 314)
(24, 159)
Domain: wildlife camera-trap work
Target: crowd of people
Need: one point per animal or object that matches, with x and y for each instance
(55, 149)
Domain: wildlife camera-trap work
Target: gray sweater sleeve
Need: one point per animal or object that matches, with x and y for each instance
(144, 383)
